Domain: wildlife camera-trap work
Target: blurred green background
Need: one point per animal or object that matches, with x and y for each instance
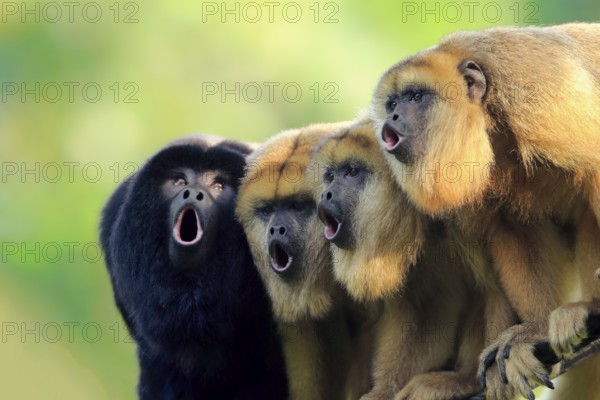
(90, 89)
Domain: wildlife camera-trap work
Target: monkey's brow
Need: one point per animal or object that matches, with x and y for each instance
(329, 167)
(409, 87)
(261, 203)
(301, 197)
(355, 162)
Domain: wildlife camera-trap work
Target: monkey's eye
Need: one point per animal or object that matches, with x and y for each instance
(296, 206)
(414, 95)
(179, 181)
(352, 171)
(218, 184)
(329, 176)
(417, 97)
(265, 211)
(391, 105)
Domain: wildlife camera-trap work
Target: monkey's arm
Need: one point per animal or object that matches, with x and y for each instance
(529, 259)
(398, 347)
(461, 382)
(302, 352)
(441, 385)
(571, 324)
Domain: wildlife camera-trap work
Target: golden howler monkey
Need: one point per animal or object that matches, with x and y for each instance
(431, 331)
(498, 131)
(184, 280)
(325, 334)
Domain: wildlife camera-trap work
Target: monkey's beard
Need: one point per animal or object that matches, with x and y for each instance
(452, 160)
(377, 267)
(308, 294)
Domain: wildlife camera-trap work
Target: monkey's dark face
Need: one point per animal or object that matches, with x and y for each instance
(183, 201)
(194, 216)
(285, 221)
(407, 117)
(342, 187)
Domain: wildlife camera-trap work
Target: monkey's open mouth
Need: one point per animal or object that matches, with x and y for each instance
(332, 225)
(188, 230)
(280, 259)
(391, 137)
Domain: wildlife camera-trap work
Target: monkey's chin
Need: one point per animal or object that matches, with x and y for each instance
(188, 228)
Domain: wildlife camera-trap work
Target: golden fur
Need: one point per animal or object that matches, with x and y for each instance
(543, 75)
(506, 168)
(327, 351)
(431, 331)
(371, 271)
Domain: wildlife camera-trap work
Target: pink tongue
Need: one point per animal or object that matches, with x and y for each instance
(329, 232)
(391, 137)
(331, 228)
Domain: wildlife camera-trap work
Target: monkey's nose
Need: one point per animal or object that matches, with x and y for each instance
(280, 229)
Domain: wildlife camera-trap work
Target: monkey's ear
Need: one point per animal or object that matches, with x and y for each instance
(476, 83)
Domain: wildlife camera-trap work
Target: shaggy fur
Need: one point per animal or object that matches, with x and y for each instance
(370, 271)
(203, 332)
(431, 331)
(325, 334)
(510, 163)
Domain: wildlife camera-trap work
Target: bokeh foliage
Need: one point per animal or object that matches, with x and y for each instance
(60, 158)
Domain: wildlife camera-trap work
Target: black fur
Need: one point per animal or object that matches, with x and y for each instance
(204, 333)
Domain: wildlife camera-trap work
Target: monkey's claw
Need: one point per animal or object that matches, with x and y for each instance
(486, 363)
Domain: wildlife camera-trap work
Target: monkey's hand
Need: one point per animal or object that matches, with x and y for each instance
(574, 325)
(441, 385)
(377, 395)
(516, 363)
(495, 389)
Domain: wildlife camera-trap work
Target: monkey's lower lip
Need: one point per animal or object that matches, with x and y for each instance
(188, 229)
(279, 258)
(391, 137)
(332, 225)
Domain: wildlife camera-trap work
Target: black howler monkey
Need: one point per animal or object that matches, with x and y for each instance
(184, 279)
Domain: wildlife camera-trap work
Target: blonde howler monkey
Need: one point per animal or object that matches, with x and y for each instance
(431, 332)
(325, 334)
(498, 132)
